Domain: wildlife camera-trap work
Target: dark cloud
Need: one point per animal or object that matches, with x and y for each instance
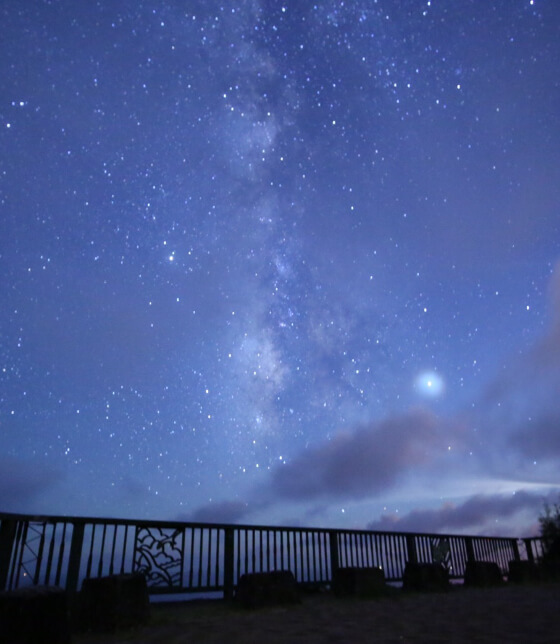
(132, 488)
(471, 515)
(539, 439)
(22, 482)
(362, 462)
(520, 411)
(220, 512)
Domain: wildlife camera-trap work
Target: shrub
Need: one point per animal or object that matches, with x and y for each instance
(550, 531)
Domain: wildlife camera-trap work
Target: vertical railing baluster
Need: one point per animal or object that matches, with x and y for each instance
(313, 574)
(246, 552)
(268, 550)
(200, 555)
(135, 562)
(183, 555)
(305, 535)
(217, 559)
(334, 552)
(290, 549)
(253, 550)
(22, 549)
(125, 543)
(386, 544)
(237, 550)
(529, 549)
(390, 555)
(191, 559)
(50, 555)
(325, 555)
(100, 565)
(470, 549)
(90, 554)
(8, 544)
(300, 549)
(378, 561)
(75, 556)
(363, 557)
(321, 547)
(209, 563)
(397, 556)
(412, 555)
(112, 562)
(228, 564)
(60, 557)
(314, 553)
(38, 561)
(250, 536)
(393, 550)
(344, 537)
(364, 549)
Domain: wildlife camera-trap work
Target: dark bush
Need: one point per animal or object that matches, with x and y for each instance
(550, 533)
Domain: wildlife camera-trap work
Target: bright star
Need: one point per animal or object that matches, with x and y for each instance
(429, 383)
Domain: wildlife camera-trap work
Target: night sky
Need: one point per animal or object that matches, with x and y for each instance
(281, 263)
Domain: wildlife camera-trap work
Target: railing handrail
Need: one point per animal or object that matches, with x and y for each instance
(167, 523)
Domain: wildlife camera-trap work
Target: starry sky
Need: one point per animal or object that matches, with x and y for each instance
(281, 262)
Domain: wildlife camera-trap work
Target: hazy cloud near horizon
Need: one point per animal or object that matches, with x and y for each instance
(523, 403)
(479, 510)
(364, 461)
(218, 512)
(22, 481)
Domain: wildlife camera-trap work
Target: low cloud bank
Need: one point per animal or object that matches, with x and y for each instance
(219, 512)
(22, 481)
(470, 516)
(361, 463)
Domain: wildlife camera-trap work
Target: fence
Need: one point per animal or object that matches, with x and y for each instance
(204, 557)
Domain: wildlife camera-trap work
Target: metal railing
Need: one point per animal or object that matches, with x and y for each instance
(178, 557)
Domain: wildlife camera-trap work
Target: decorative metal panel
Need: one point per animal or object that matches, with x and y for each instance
(159, 555)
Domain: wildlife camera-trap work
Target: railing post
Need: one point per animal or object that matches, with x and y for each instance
(529, 549)
(229, 555)
(516, 554)
(333, 548)
(8, 529)
(37, 575)
(411, 549)
(470, 549)
(75, 557)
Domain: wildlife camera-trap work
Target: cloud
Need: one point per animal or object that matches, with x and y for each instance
(539, 439)
(524, 402)
(363, 462)
(22, 481)
(469, 516)
(220, 512)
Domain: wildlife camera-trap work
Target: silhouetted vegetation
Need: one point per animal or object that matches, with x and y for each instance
(550, 532)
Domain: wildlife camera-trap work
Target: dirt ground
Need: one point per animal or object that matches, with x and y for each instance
(506, 614)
